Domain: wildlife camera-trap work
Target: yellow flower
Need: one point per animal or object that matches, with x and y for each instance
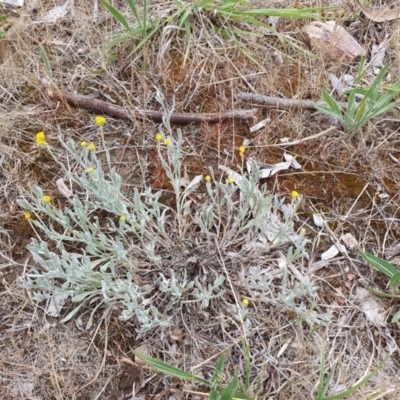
(242, 149)
(46, 198)
(208, 178)
(27, 215)
(40, 138)
(122, 218)
(230, 180)
(245, 302)
(91, 146)
(294, 194)
(83, 144)
(159, 137)
(303, 230)
(100, 121)
(167, 142)
(89, 169)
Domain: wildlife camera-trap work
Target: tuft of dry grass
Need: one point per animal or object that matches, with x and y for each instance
(341, 179)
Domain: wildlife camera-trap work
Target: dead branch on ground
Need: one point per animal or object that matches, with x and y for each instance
(97, 105)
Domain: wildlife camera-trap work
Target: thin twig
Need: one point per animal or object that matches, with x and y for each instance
(306, 139)
(113, 110)
(278, 102)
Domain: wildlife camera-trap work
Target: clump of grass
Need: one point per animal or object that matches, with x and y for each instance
(372, 103)
(227, 19)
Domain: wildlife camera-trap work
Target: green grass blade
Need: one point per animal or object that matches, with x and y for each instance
(186, 24)
(373, 89)
(396, 316)
(395, 281)
(381, 265)
(132, 6)
(247, 363)
(213, 395)
(320, 392)
(230, 390)
(383, 294)
(168, 369)
(146, 38)
(332, 103)
(351, 105)
(361, 71)
(145, 15)
(46, 61)
(329, 112)
(218, 368)
(117, 15)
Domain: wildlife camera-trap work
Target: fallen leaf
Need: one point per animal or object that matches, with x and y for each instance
(371, 307)
(62, 188)
(260, 125)
(387, 14)
(292, 160)
(330, 253)
(349, 240)
(56, 303)
(318, 220)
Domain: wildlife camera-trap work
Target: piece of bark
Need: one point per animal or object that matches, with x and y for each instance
(97, 105)
(332, 40)
(278, 102)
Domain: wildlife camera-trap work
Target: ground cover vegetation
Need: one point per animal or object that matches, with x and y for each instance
(145, 259)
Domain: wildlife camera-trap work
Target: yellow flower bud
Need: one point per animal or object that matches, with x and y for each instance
(208, 178)
(158, 137)
(100, 121)
(40, 138)
(27, 215)
(242, 149)
(91, 146)
(46, 198)
(294, 194)
(245, 302)
(89, 169)
(122, 218)
(230, 180)
(83, 144)
(167, 142)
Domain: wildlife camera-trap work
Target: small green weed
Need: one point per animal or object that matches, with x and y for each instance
(372, 104)
(389, 270)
